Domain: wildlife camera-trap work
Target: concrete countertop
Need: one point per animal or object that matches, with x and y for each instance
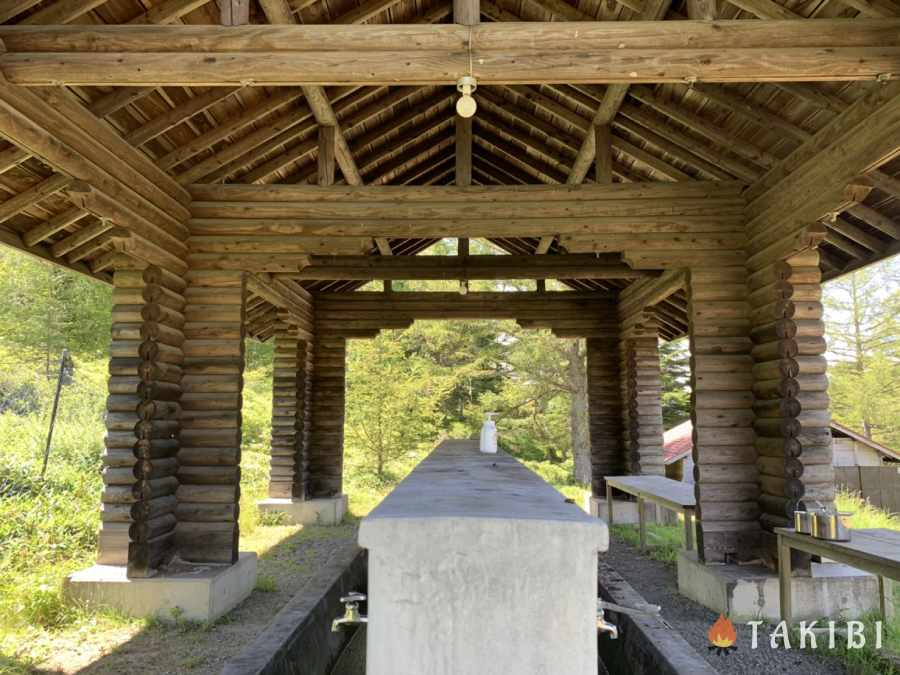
(457, 483)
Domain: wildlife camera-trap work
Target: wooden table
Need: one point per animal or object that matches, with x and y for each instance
(668, 493)
(876, 551)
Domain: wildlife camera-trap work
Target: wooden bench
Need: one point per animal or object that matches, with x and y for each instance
(876, 551)
(668, 493)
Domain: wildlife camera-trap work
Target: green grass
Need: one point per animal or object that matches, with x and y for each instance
(663, 541)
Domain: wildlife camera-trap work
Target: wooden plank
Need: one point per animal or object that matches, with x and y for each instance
(463, 151)
(28, 198)
(326, 154)
(599, 52)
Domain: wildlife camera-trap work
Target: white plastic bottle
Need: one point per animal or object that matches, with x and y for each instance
(489, 435)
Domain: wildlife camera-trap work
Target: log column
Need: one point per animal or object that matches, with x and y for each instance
(290, 389)
(642, 399)
(725, 473)
(210, 452)
(326, 440)
(793, 435)
(604, 412)
(143, 421)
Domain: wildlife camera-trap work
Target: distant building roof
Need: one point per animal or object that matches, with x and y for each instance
(678, 441)
(838, 430)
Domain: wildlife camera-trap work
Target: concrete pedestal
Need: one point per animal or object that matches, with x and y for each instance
(751, 592)
(321, 511)
(479, 567)
(199, 592)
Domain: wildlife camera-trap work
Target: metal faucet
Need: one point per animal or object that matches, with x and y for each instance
(604, 626)
(351, 617)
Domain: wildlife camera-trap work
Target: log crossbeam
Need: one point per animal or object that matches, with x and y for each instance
(625, 52)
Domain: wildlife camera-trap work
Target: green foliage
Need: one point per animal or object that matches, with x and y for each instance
(863, 333)
(675, 364)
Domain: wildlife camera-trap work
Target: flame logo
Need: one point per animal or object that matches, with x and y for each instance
(722, 635)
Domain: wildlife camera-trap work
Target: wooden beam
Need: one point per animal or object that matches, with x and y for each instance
(13, 8)
(177, 115)
(603, 160)
(311, 55)
(56, 224)
(24, 200)
(234, 12)
(886, 183)
(463, 150)
(612, 100)
(384, 246)
(813, 181)
(327, 141)
(118, 181)
(466, 268)
(62, 11)
(702, 10)
(544, 245)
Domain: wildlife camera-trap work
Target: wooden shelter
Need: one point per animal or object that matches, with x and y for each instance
(693, 168)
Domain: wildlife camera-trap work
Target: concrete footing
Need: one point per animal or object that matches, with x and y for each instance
(751, 592)
(320, 511)
(195, 592)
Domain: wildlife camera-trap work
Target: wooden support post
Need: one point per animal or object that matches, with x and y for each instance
(143, 410)
(603, 161)
(327, 141)
(210, 454)
(463, 151)
(725, 473)
(234, 12)
(604, 412)
(290, 380)
(791, 404)
(641, 383)
(642, 524)
(326, 441)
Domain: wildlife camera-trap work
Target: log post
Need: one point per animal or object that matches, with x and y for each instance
(641, 384)
(725, 473)
(326, 440)
(140, 472)
(290, 386)
(604, 412)
(790, 399)
(210, 453)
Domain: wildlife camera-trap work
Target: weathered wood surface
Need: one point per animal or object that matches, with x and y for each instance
(466, 267)
(209, 490)
(725, 471)
(326, 439)
(577, 52)
(670, 493)
(608, 456)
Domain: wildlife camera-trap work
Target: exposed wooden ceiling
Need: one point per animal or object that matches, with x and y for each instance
(404, 135)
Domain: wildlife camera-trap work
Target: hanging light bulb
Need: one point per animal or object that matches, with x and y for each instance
(465, 105)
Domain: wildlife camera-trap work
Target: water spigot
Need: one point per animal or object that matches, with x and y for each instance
(351, 617)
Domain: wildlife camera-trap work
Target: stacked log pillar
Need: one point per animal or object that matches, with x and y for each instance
(326, 440)
(209, 473)
(290, 408)
(143, 424)
(725, 473)
(793, 436)
(119, 460)
(642, 399)
(604, 412)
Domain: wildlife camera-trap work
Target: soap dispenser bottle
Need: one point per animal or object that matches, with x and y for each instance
(489, 435)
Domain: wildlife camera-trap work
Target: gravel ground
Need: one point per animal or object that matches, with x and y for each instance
(657, 582)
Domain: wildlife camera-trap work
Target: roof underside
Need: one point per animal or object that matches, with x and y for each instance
(404, 135)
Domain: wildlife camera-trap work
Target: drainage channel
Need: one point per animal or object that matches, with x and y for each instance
(299, 640)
